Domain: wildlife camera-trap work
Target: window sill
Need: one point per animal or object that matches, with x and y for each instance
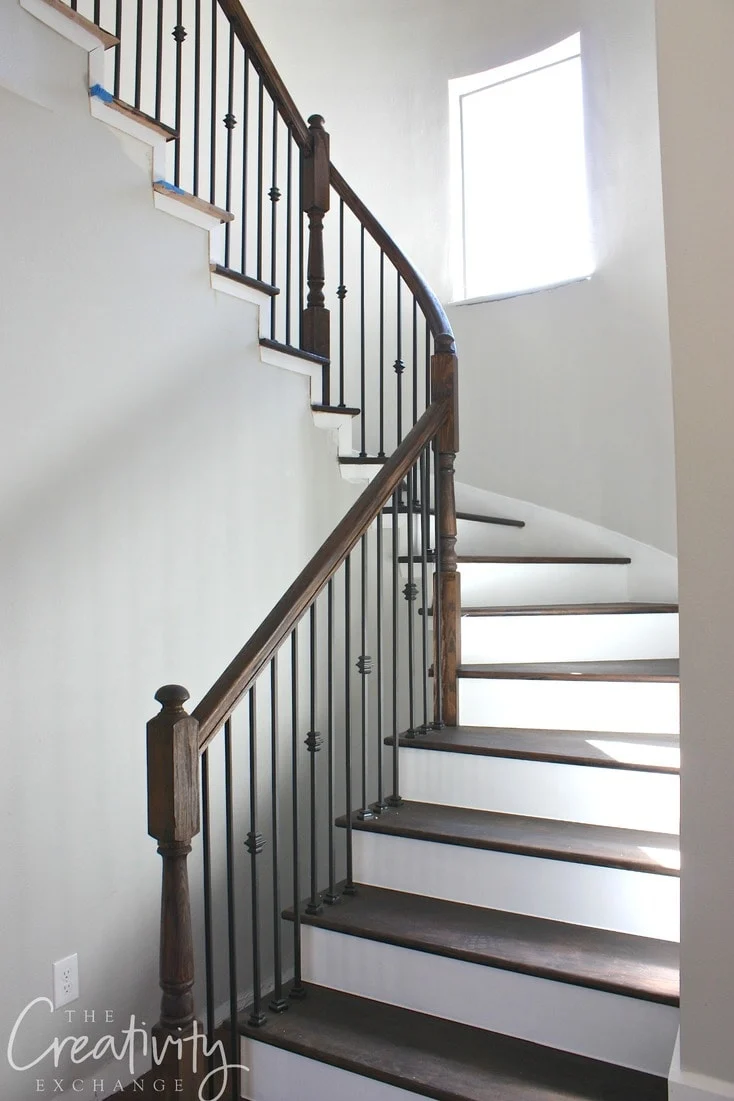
(519, 294)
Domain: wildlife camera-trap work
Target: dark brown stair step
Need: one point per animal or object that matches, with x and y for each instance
(656, 670)
(474, 517)
(246, 281)
(531, 560)
(636, 752)
(630, 608)
(363, 460)
(290, 350)
(618, 963)
(442, 1059)
(345, 410)
(575, 842)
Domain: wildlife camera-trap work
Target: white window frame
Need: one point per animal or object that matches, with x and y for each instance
(460, 87)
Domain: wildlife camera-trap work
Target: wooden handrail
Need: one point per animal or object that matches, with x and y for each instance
(263, 63)
(223, 696)
(434, 312)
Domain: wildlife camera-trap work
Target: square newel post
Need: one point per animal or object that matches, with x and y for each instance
(315, 201)
(447, 580)
(173, 820)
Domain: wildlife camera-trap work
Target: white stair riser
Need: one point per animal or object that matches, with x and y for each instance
(485, 584)
(626, 707)
(611, 1027)
(541, 789)
(583, 894)
(532, 638)
(273, 1073)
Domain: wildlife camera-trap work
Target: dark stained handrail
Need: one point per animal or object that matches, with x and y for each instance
(221, 699)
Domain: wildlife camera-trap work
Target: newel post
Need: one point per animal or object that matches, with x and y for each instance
(447, 580)
(315, 200)
(173, 820)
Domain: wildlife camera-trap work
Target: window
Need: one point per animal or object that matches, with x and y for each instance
(521, 212)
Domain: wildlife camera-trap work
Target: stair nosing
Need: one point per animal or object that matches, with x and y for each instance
(329, 921)
(554, 671)
(630, 608)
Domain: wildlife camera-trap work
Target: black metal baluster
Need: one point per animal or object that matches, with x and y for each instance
(410, 592)
(394, 799)
(231, 884)
(381, 450)
(298, 990)
(159, 60)
(428, 367)
(118, 48)
(380, 803)
(341, 295)
(437, 609)
(274, 196)
(260, 162)
(206, 838)
(97, 6)
(139, 55)
(331, 895)
(313, 745)
(197, 94)
(349, 888)
(362, 355)
(301, 258)
(179, 36)
(245, 157)
(288, 239)
(255, 844)
(364, 666)
(425, 531)
(229, 123)
(399, 364)
(277, 1003)
(213, 105)
(415, 360)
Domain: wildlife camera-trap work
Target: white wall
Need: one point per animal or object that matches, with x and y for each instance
(696, 61)
(159, 488)
(565, 394)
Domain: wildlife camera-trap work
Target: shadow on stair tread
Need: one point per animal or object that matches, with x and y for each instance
(441, 1059)
(618, 963)
(634, 752)
(576, 842)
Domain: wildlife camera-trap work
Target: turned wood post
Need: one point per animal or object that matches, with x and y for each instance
(447, 581)
(173, 820)
(316, 199)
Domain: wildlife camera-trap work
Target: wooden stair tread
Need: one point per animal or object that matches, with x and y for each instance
(618, 963)
(636, 752)
(643, 671)
(344, 410)
(163, 187)
(291, 350)
(530, 560)
(474, 517)
(363, 460)
(105, 38)
(577, 842)
(246, 280)
(629, 608)
(167, 133)
(442, 1059)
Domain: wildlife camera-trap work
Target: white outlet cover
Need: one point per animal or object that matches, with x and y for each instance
(66, 981)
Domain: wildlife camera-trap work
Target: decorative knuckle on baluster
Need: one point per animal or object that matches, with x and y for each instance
(398, 366)
(341, 292)
(229, 121)
(313, 741)
(410, 590)
(179, 33)
(364, 664)
(274, 194)
(255, 843)
(172, 696)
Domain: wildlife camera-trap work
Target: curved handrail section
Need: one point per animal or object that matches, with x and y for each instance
(219, 702)
(433, 311)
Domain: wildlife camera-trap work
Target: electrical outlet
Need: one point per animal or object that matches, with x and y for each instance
(66, 981)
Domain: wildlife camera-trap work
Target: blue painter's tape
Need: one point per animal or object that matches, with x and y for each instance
(101, 93)
(171, 187)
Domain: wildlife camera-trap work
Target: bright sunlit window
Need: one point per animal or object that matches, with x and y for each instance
(521, 211)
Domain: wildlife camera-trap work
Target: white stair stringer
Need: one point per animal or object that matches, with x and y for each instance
(624, 706)
(642, 903)
(541, 789)
(614, 1028)
(589, 637)
(272, 1072)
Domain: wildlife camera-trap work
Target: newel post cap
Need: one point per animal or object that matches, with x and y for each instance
(173, 769)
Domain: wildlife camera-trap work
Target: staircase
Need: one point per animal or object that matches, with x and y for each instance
(437, 792)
